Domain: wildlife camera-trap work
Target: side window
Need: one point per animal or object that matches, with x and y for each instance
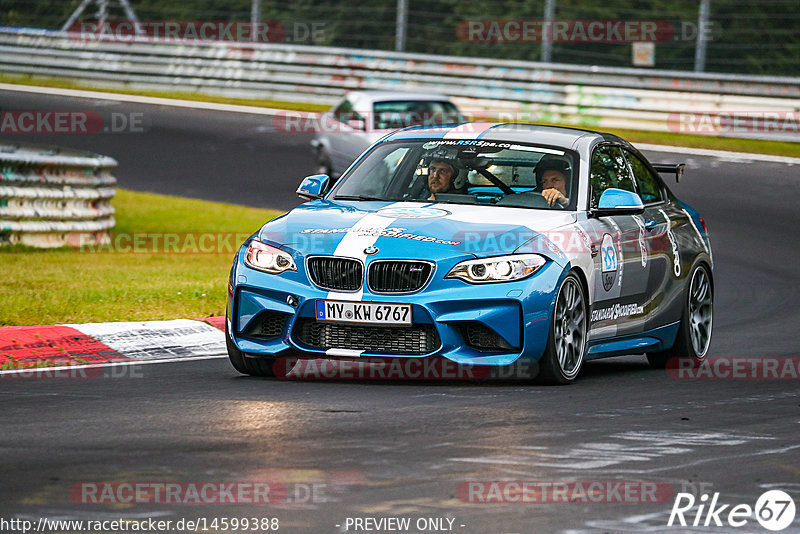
(383, 173)
(649, 189)
(608, 169)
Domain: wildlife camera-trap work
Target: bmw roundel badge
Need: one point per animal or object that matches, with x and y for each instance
(371, 250)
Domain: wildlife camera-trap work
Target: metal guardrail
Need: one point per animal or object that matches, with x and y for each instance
(51, 197)
(589, 96)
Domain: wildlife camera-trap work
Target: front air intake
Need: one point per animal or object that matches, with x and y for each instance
(375, 339)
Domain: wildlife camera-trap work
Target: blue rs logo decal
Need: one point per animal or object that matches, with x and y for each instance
(609, 254)
(608, 259)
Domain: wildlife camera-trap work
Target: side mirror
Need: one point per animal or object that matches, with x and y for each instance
(357, 124)
(618, 202)
(313, 187)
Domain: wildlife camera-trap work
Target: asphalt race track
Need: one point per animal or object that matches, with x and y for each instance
(376, 449)
(184, 152)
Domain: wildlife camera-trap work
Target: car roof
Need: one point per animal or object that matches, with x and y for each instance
(382, 96)
(524, 133)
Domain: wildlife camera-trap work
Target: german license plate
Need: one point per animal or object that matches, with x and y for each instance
(363, 312)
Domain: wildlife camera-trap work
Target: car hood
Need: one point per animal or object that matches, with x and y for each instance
(408, 229)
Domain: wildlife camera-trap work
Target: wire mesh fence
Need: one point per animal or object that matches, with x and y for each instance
(743, 37)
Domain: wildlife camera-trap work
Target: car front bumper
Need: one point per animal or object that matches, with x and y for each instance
(477, 324)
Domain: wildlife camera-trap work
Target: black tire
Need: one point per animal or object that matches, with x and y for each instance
(566, 342)
(694, 332)
(248, 365)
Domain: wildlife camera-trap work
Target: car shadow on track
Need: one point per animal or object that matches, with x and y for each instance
(609, 369)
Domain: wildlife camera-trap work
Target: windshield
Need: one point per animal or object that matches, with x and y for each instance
(465, 172)
(396, 114)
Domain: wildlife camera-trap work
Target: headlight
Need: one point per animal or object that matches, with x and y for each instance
(268, 259)
(498, 269)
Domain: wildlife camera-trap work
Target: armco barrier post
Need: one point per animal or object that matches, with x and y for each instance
(51, 197)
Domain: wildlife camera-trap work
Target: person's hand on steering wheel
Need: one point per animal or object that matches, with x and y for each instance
(554, 196)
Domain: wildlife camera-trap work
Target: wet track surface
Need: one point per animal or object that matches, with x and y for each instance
(402, 449)
(228, 157)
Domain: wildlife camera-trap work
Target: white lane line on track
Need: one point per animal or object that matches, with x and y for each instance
(192, 104)
(738, 157)
(68, 368)
(136, 99)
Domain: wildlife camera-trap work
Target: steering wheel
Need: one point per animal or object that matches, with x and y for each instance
(528, 199)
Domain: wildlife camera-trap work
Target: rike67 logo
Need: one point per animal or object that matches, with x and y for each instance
(774, 510)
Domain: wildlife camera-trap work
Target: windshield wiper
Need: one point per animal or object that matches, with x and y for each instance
(361, 197)
(464, 203)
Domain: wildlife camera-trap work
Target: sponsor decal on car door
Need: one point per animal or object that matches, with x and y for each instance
(621, 271)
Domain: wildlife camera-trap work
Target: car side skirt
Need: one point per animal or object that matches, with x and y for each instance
(657, 339)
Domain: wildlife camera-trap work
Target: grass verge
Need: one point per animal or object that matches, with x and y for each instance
(132, 282)
(757, 146)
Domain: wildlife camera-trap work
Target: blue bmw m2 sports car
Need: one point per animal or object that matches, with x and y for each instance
(483, 244)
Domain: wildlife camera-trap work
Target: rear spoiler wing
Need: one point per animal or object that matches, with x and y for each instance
(671, 168)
